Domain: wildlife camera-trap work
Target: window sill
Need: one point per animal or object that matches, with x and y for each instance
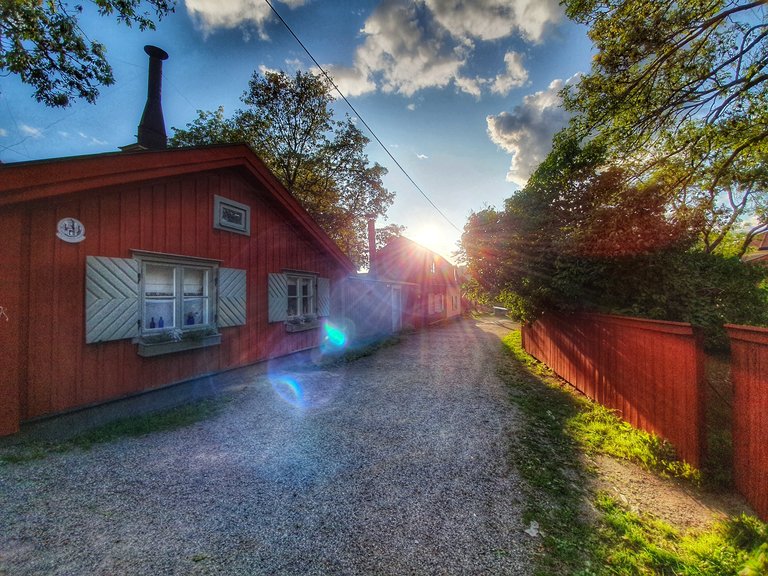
(160, 348)
(289, 327)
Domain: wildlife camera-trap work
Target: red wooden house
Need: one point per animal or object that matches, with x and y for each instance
(438, 293)
(131, 271)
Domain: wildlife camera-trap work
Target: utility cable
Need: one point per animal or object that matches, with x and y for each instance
(343, 97)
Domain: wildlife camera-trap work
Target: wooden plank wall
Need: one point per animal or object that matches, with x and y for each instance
(13, 328)
(650, 372)
(749, 377)
(50, 368)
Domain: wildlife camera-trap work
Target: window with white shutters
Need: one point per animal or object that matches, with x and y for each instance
(165, 303)
(299, 299)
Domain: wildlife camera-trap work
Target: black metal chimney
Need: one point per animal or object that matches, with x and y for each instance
(152, 126)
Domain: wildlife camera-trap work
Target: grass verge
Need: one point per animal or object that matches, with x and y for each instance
(585, 533)
(124, 428)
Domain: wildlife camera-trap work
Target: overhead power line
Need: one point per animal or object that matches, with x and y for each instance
(375, 137)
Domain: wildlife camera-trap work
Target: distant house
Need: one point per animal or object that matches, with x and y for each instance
(438, 287)
(130, 271)
(759, 255)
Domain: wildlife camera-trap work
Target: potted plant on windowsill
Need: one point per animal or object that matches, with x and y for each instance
(301, 323)
(176, 340)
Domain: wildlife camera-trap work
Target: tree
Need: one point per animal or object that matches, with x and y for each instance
(582, 235)
(387, 233)
(678, 95)
(289, 122)
(42, 42)
(661, 63)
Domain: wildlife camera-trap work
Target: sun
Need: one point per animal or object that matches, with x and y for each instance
(435, 236)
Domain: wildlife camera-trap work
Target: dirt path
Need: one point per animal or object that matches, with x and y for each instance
(393, 464)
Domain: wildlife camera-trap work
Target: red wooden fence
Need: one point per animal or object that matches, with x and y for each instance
(749, 375)
(650, 372)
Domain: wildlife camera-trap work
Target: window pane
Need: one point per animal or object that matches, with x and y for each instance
(195, 282)
(195, 311)
(293, 300)
(159, 314)
(159, 280)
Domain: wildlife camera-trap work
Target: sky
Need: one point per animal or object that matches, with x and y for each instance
(464, 94)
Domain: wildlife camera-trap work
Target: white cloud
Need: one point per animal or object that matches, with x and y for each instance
(527, 131)
(494, 19)
(30, 131)
(513, 77)
(472, 86)
(3, 132)
(422, 156)
(411, 46)
(350, 81)
(411, 107)
(91, 139)
(210, 15)
(405, 51)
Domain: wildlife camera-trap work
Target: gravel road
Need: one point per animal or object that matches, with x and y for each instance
(392, 464)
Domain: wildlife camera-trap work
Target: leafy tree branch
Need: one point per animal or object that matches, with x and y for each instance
(42, 42)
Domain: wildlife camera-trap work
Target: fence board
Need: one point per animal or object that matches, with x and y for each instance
(749, 376)
(650, 372)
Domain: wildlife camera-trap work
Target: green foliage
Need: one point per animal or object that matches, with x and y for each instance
(387, 233)
(601, 431)
(580, 236)
(289, 122)
(633, 543)
(706, 290)
(42, 43)
(677, 93)
(661, 62)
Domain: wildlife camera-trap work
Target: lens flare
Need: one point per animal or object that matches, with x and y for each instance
(334, 335)
(289, 390)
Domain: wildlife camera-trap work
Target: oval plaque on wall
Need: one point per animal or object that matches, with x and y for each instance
(70, 230)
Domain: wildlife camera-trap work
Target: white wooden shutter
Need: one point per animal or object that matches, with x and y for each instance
(278, 298)
(230, 305)
(111, 298)
(323, 297)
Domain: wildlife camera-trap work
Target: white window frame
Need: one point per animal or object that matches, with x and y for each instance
(306, 289)
(178, 264)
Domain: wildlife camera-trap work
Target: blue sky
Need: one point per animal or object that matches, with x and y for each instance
(463, 94)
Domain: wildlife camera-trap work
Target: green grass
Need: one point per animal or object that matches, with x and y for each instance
(633, 543)
(587, 534)
(141, 425)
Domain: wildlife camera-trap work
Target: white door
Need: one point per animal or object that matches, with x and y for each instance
(397, 309)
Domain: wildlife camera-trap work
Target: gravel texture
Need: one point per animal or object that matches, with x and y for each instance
(395, 463)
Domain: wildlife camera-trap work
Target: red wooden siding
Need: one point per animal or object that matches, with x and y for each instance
(48, 368)
(650, 372)
(13, 290)
(749, 376)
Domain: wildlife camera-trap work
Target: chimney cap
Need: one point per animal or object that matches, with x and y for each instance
(155, 52)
